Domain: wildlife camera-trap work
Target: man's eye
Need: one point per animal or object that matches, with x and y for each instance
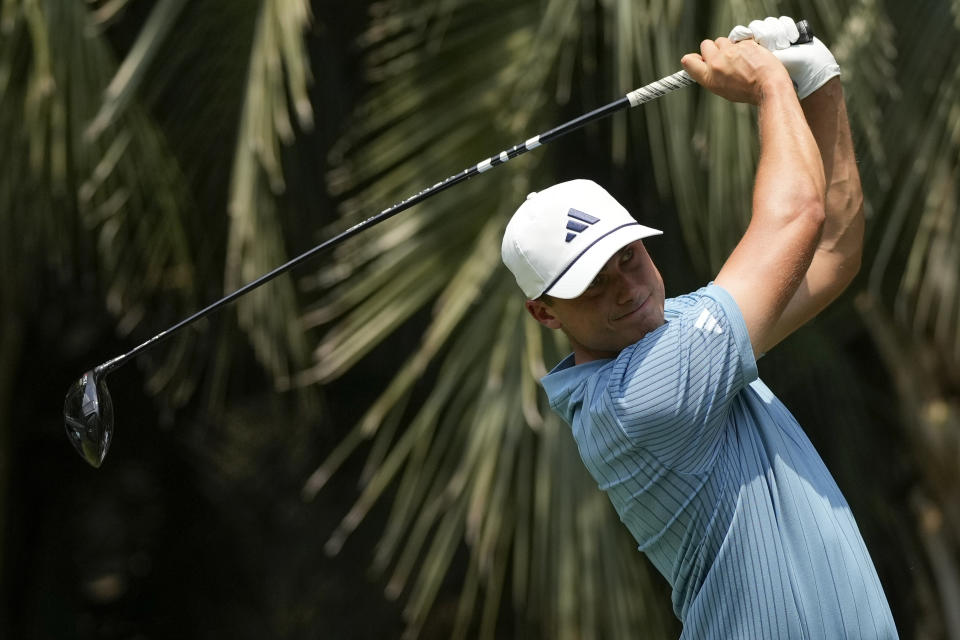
(627, 255)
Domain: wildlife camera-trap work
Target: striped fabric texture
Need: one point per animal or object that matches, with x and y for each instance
(719, 485)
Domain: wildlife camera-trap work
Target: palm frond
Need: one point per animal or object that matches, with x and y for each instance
(126, 83)
(479, 463)
(483, 461)
(125, 188)
(916, 260)
(278, 63)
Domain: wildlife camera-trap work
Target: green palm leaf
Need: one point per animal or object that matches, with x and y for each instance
(462, 465)
(255, 244)
(482, 464)
(117, 202)
(459, 464)
(139, 208)
(917, 260)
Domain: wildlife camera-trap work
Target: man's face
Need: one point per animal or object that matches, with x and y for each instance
(622, 304)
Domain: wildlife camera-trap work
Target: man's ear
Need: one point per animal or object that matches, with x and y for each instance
(543, 314)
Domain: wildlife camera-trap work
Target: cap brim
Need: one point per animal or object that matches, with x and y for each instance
(581, 272)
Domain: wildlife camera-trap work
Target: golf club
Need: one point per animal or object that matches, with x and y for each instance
(88, 408)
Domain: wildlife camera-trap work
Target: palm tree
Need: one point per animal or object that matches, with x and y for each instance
(108, 172)
(69, 205)
(106, 178)
(480, 460)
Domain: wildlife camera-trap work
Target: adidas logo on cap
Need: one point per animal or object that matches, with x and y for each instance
(538, 243)
(577, 222)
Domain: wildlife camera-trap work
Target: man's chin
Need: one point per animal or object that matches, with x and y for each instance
(640, 331)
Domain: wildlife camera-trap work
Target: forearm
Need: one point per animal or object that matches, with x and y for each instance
(790, 176)
(837, 256)
(842, 238)
(767, 266)
(770, 261)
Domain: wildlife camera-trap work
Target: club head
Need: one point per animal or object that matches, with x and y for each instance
(88, 417)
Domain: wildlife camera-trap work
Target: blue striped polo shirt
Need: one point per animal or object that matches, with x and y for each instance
(718, 483)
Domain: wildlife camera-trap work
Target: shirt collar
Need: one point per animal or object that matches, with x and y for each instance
(564, 378)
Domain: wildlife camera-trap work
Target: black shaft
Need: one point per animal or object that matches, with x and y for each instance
(403, 205)
(638, 96)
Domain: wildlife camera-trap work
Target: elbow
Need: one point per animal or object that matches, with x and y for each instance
(857, 229)
(850, 242)
(846, 272)
(853, 261)
(812, 215)
(799, 215)
(846, 256)
(850, 267)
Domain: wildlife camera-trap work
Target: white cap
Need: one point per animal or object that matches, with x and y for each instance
(560, 238)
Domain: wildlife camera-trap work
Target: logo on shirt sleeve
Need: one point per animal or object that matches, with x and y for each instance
(708, 323)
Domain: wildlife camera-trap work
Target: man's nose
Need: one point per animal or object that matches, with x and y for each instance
(625, 287)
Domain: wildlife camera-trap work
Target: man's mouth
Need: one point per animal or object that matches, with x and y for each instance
(634, 310)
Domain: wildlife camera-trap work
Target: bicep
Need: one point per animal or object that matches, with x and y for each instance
(765, 270)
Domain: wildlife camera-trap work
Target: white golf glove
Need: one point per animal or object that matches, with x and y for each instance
(810, 65)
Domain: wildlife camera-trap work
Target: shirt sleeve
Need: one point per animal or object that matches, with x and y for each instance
(671, 392)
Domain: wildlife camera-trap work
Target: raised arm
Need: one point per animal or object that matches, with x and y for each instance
(837, 257)
(770, 261)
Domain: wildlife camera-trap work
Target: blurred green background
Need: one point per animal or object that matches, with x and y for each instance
(360, 450)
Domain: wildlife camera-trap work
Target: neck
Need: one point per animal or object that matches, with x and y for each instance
(583, 355)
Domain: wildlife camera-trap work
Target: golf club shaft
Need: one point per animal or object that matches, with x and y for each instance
(634, 98)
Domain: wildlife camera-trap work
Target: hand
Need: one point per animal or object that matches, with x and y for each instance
(739, 72)
(810, 65)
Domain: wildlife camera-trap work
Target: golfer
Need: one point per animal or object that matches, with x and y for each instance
(711, 474)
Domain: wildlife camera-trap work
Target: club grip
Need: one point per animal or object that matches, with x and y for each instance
(806, 32)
